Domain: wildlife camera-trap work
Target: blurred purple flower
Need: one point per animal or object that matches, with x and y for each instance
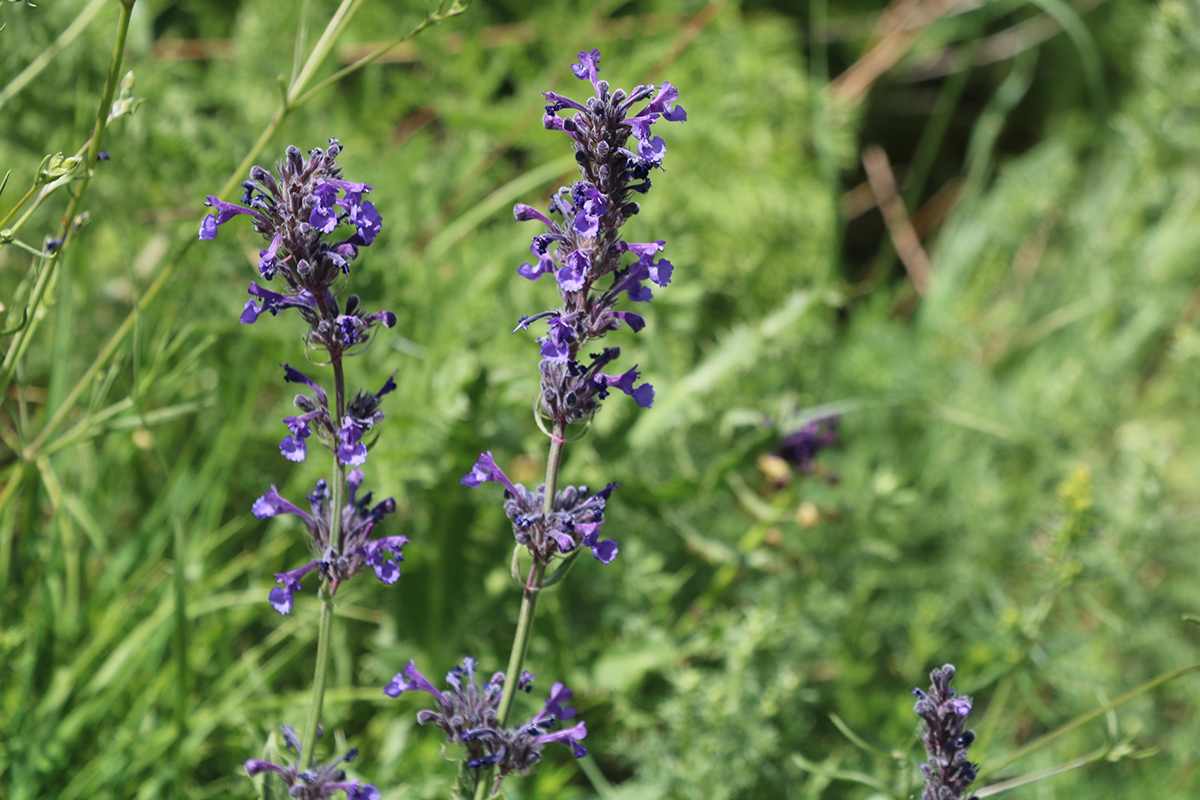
(948, 773)
(314, 784)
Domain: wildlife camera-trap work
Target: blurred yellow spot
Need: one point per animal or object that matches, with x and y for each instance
(774, 468)
(808, 515)
(143, 439)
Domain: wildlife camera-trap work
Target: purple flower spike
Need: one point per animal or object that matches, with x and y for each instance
(294, 210)
(948, 774)
(581, 243)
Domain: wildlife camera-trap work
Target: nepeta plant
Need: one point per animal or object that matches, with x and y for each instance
(582, 248)
(948, 773)
(297, 212)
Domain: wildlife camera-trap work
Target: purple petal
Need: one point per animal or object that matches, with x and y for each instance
(660, 271)
(642, 248)
(363, 792)
(352, 450)
(251, 312)
(254, 766)
(571, 277)
(208, 230)
(588, 66)
(281, 600)
(587, 225)
(225, 212)
(559, 694)
(634, 321)
(272, 504)
(411, 680)
(324, 214)
(570, 735)
(524, 213)
(266, 258)
(485, 470)
(652, 150)
(366, 221)
(605, 551)
(642, 395)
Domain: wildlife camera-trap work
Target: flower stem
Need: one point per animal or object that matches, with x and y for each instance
(533, 585)
(308, 742)
(325, 626)
(529, 599)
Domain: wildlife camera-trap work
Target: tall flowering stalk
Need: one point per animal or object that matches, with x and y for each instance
(298, 211)
(948, 773)
(594, 269)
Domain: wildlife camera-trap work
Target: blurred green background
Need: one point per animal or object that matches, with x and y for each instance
(1014, 489)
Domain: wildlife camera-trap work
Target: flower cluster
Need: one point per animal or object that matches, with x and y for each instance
(467, 714)
(295, 214)
(585, 246)
(339, 560)
(362, 413)
(574, 521)
(317, 784)
(948, 773)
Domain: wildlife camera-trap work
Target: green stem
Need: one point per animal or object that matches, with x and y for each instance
(308, 741)
(17, 348)
(529, 599)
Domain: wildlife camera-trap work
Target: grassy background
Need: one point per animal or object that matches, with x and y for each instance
(1014, 490)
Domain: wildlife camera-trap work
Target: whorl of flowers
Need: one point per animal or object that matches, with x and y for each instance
(574, 521)
(337, 561)
(467, 713)
(948, 773)
(584, 246)
(314, 784)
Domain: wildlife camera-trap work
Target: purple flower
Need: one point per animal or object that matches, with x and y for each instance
(468, 714)
(642, 395)
(225, 212)
(948, 773)
(314, 784)
(336, 560)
